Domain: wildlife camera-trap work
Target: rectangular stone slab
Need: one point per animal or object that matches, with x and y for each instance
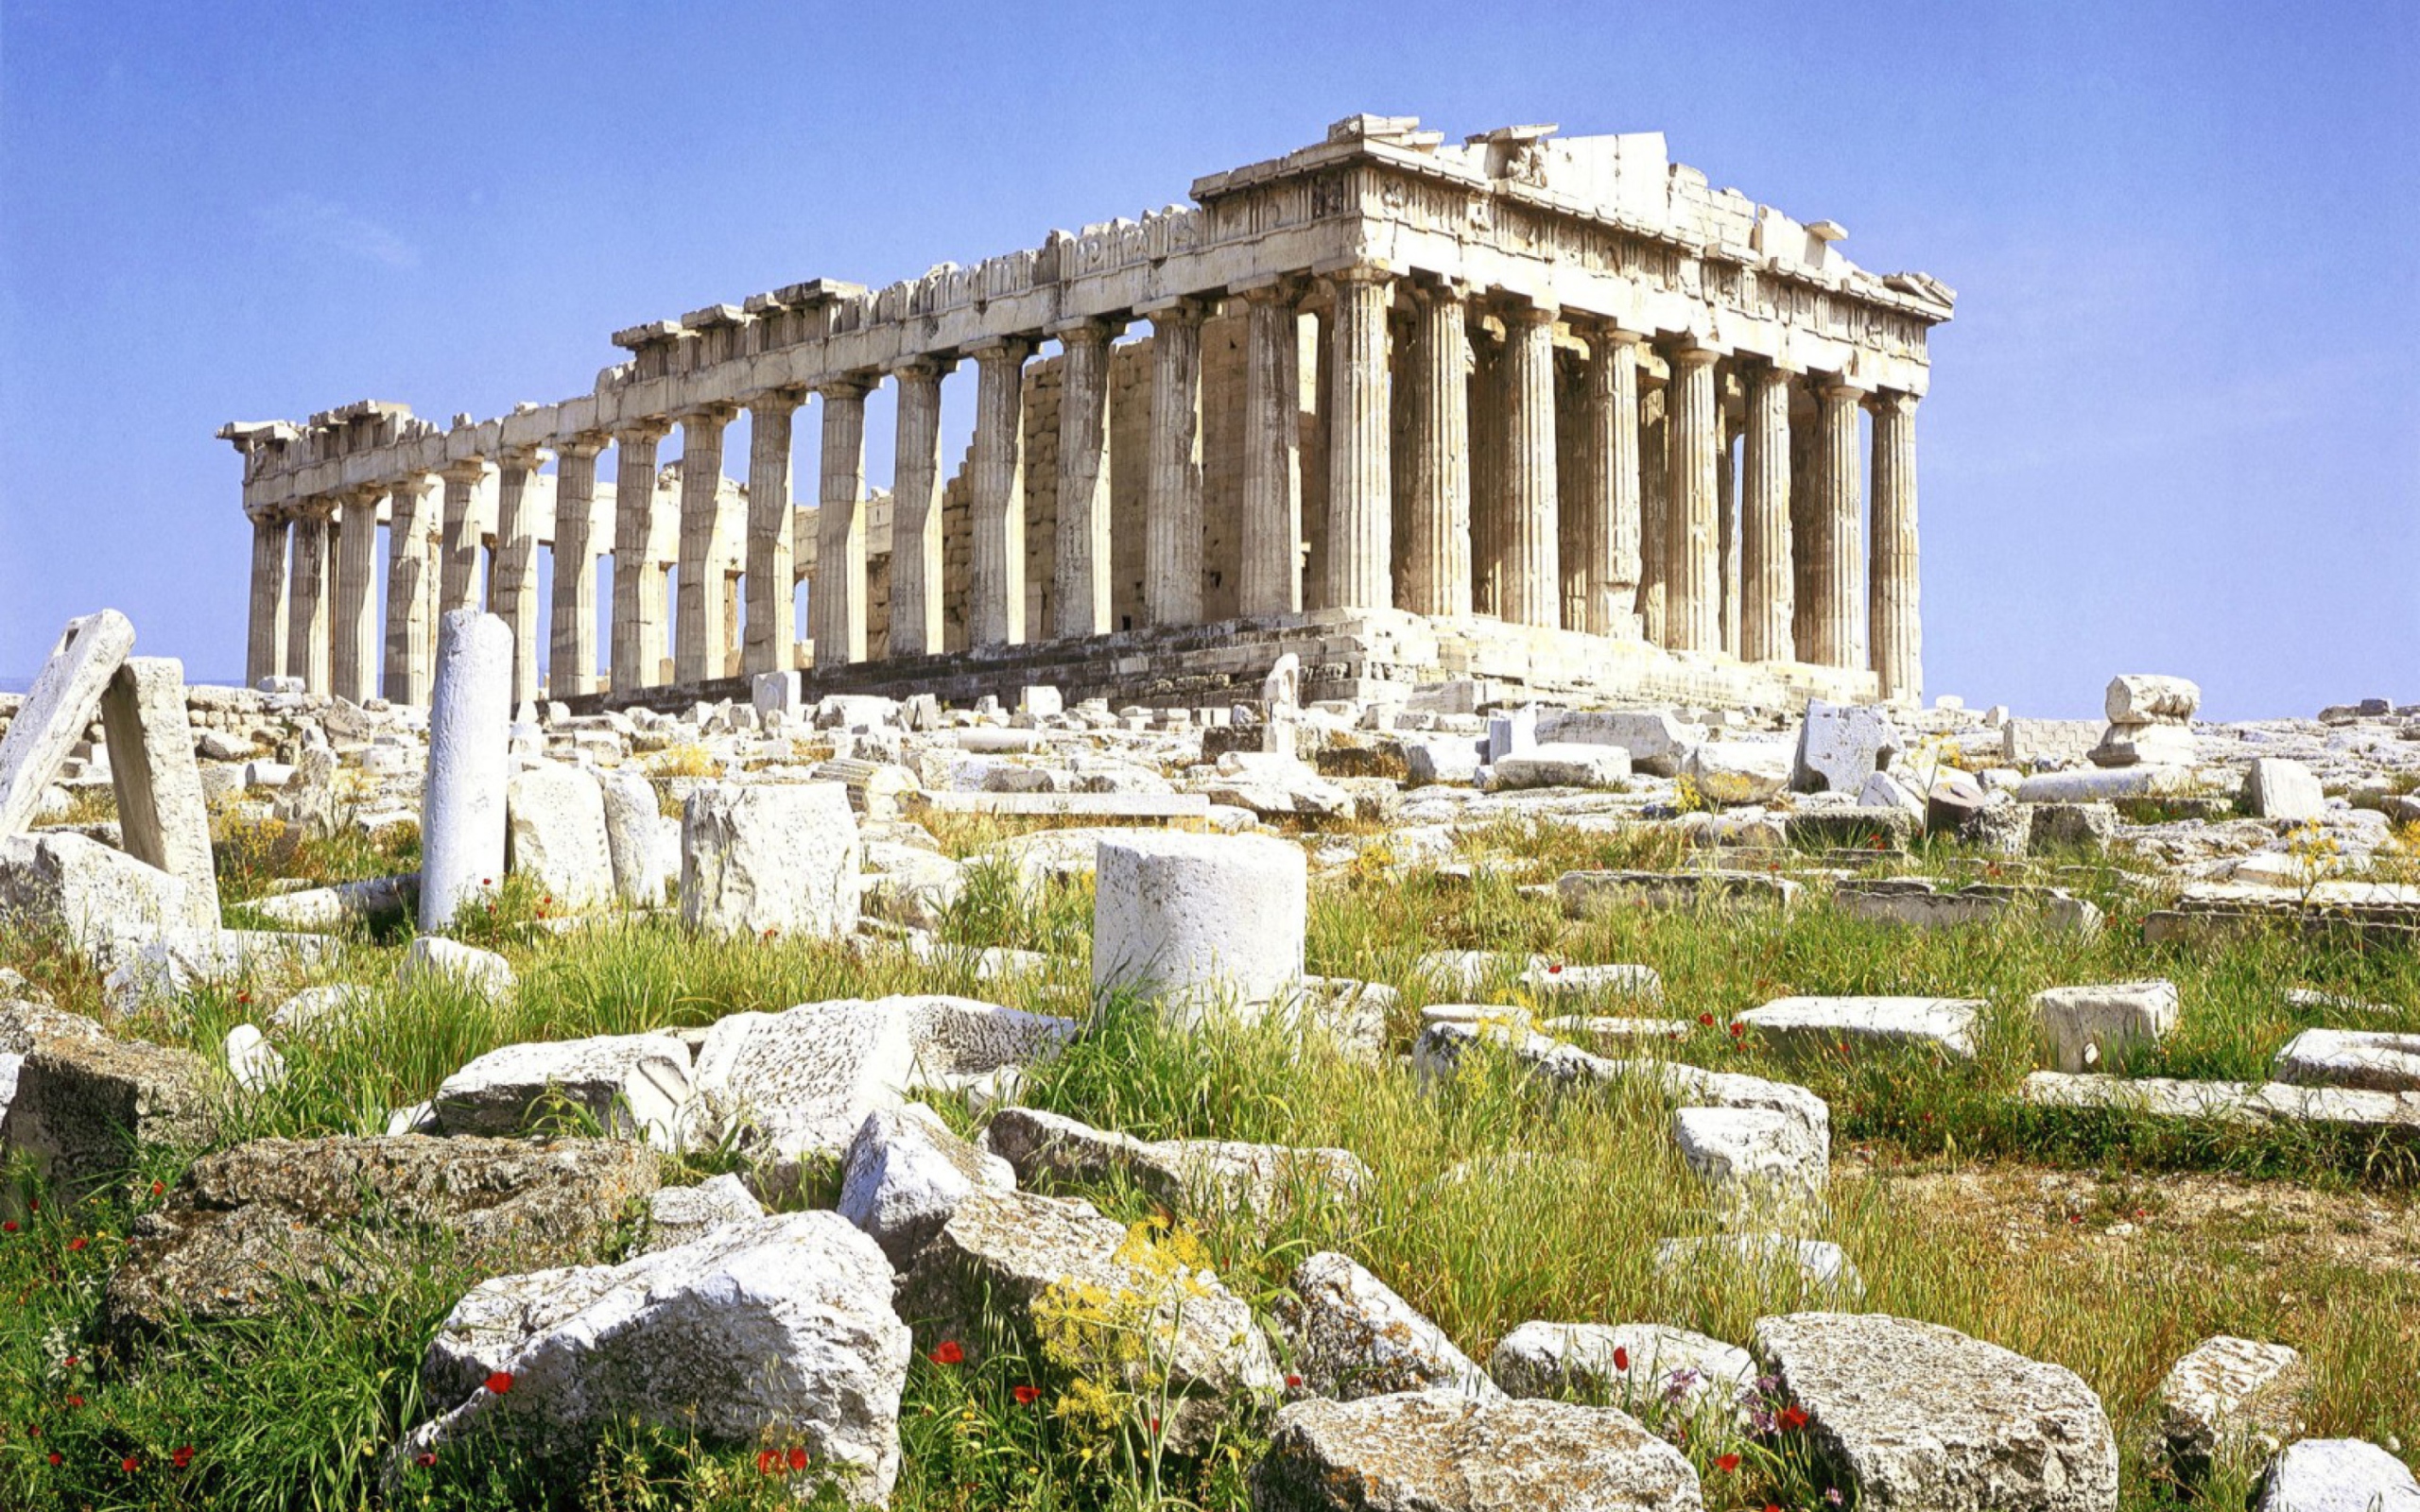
(1075, 805)
(52, 718)
(162, 818)
(1818, 1025)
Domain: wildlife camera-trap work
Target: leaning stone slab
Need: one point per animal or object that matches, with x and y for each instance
(84, 1106)
(2338, 1475)
(1352, 1336)
(1200, 923)
(770, 860)
(1624, 1362)
(779, 1325)
(2368, 1060)
(681, 1215)
(1588, 894)
(1191, 1175)
(338, 1217)
(84, 890)
(162, 818)
(906, 1173)
(1822, 1026)
(630, 1083)
(2230, 1396)
(2101, 1027)
(2275, 788)
(1923, 1418)
(56, 711)
(1444, 1451)
(1010, 1251)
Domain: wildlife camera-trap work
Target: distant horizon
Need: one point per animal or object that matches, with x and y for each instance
(2171, 428)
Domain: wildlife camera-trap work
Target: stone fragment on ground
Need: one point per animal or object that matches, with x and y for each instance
(435, 959)
(781, 1325)
(1590, 894)
(2338, 1475)
(632, 1084)
(2277, 788)
(335, 1216)
(770, 860)
(1739, 771)
(1841, 746)
(2367, 1059)
(1561, 766)
(85, 890)
(155, 968)
(1624, 1363)
(555, 834)
(1923, 1418)
(1444, 1451)
(84, 1106)
(1352, 1336)
(1756, 1165)
(1772, 1263)
(2103, 1027)
(1189, 1175)
(680, 1215)
(906, 1171)
(1200, 924)
(2230, 1396)
(1918, 903)
(1813, 1027)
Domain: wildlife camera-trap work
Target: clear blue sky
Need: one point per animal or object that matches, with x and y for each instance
(2175, 426)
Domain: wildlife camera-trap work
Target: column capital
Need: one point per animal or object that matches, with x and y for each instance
(1356, 271)
(1896, 400)
(1691, 351)
(521, 458)
(583, 443)
(1098, 328)
(1276, 289)
(413, 485)
(1838, 386)
(719, 413)
(781, 399)
(997, 348)
(643, 429)
(1190, 309)
(845, 385)
(924, 365)
(468, 470)
(1518, 310)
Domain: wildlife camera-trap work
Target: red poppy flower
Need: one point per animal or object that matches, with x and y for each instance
(69, 1362)
(1555, 969)
(1728, 1464)
(1027, 1396)
(1292, 1381)
(1622, 1358)
(797, 1458)
(8, 1227)
(157, 1188)
(424, 1458)
(33, 1203)
(1706, 1019)
(1793, 1416)
(499, 1381)
(182, 1457)
(1155, 1425)
(766, 1462)
(74, 1401)
(949, 1353)
(76, 1243)
(56, 1457)
(129, 1464)
(243, 997)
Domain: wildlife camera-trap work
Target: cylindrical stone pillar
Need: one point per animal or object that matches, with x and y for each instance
(1485, 404)
(354, 664)
(264, 627)
(699, 639)
(1693, 581)
(1896, 629)
(1360, 509)
(465, 525)
(1765, 584)
(1613, 435)
(772, 568)
(1838, 561)
(1270, 572)
(916, 510)
(1080, 570)
(1654, 518)
(1726, 522)
(411, 588)
(1532, 591)
(307, 650)
(838, 598)
(1436, 558)
(638, 590)
(571, 622)
(996, 610)
(512, 596)
(470, 718)
(1172, 485)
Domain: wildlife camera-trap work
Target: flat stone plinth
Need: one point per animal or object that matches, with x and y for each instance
(1823, 1025)
(1075, 805)
(1588, 893)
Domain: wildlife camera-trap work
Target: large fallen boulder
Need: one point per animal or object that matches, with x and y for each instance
(336, 1216)
(906, 1173)
(1918, 1417)
(85, 1104)
(770, 860)
(85, 890)
(781, 1325)
(2338, 1475)
(1443, 1452)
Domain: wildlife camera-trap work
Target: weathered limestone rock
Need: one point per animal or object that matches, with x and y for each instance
(1657, 742)
(1587, 894)
(435, 959)
(1739, 771)
(681, 1215)
(2338, 1475)
(85, 1104)
(2367, 1059)
(1815, 1026)
(463, 816)
(370, 901)
(252, 1063)
(1754, 1162)
(1452, 760)
(2230, 1395)
(906, 1173)
(1841, 746)
(2275, 788)
(1767, 1261)
(1352, 1336)
(2151, 697)
(84, 890)
(780, 1325)
(158, 968)
(1561, 766)
(801, 1083)
(1441, 1044)
(761, 858)
(337, 1215)
(1443, 1452)
(555, 832)
(1200, 923)
(1922, 1416)
(1626, 1362)
(2147, 745)
(56, 712)
(631, 829)
(2102, 1027)
(162, 815)
(908, 885)
(1917, 903)
(630, 1083)
(1189, 1174)
(1006, 1252)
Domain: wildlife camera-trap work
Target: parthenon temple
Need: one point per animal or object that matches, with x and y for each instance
(1549, 410)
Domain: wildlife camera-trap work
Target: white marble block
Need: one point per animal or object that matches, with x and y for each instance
(1194, 923)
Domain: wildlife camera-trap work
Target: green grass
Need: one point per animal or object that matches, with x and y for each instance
(1494, 1201)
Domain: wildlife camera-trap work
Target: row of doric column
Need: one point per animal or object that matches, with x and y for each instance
(1555, 470)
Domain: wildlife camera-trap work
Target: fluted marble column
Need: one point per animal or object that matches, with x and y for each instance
(571, 620)
(1834, 515)
(996, 613)
(1766, 577)
(411, 588)
(1612, 440)
(354, 662)
(1654, 517)
(264, 627)
(1172, 485)
(1436, 558)
(1532, 586)
(1893, 623)
(306, 626)
(1360, 518)
(1270, 577)
(465, 525)
(638, 588)
(699, 639)
(1486, 404)
(512, 594)
(1726, 519)
(771, 641)
(838, 598)
(1079, 570)
(916, 510)
(1693, 573)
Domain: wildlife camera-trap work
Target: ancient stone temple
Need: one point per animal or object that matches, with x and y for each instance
(1544, 410)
